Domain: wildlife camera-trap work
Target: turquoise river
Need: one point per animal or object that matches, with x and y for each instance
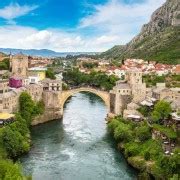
(77, 147)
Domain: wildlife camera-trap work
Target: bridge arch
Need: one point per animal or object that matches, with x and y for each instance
(104, 95)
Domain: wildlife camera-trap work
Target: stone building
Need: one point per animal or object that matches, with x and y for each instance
(169, 94)
(52, 85)
(19, 64)
(134, 78)
(4, 85)
(120, 96)
(38, 72)
(131, 90)
(36, 91)
(9, 101)
(51, 96)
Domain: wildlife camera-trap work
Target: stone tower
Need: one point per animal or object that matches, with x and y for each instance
(19, 65)
(120, 96)
(134, 78)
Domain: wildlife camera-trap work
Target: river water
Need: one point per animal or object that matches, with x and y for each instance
(78, 147)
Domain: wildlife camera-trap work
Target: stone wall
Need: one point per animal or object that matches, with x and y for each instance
(49, 115)
(53, 110)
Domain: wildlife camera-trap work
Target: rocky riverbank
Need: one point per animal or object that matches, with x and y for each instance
(142, 152)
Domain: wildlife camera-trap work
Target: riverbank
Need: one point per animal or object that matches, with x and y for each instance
(142, 152)
(78, 147)
(15, 138)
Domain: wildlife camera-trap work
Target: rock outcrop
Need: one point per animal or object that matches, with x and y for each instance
(158, 40)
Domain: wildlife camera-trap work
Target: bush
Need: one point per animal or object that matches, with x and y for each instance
(28, 108)
(5, 64)
(112, 125)
(162, 110)
(170, 165)
(123, 132)
(169, 132)
(39, 108)
(14, 143)
(147, 155)
(10, 171)
(96, 79)
(131, 149)
(143, 133)
(50, 74)
(144, 176)
(144, 110)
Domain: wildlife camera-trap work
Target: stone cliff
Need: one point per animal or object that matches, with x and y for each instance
(158, 40)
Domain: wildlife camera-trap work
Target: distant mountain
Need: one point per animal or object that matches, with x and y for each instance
(42, 52)
(158, 40)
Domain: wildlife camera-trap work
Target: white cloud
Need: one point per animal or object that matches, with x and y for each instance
(13, 36)
(119, 19)
(114, 23)
(14, 10)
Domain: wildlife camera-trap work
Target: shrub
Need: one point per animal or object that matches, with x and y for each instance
(144, 110)
(50, 74)
(162, 110)
(113, 124)
(123, 132)
(8, 170)
(143, 133)
(147, 155)
(14, 143)
(131, 149)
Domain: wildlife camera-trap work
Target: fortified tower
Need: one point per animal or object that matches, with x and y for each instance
(134, 78)
(131, 90)
(19, 65)
(120, 96)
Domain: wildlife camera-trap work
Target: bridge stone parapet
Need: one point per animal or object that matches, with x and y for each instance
(104, 95)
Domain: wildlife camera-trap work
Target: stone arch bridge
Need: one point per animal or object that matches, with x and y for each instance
(104, 95)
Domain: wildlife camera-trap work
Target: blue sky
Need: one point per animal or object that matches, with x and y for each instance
(72, 25)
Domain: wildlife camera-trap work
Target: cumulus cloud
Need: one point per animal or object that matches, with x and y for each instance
(14, 10)
(13, 36)
(112, 23)
(117, 18)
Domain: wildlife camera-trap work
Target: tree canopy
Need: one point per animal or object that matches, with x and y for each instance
(96, 79)
(162, 111)
(50, 74)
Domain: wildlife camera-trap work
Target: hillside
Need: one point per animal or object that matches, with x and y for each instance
(41, 52)
(158, 40)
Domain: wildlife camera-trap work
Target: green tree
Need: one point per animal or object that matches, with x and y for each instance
(5, 64)
(97, 79)
(20, 125)
(50, 74)
(162, 110)
(143, 133)
(10, 171)
(27, 106)
(14, 142)
(39, 108)
(144, 110)
(147, 155)
(123, 132)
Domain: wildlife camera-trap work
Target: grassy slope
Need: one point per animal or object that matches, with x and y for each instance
(163, 47)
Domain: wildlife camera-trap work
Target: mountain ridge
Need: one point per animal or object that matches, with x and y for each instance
(158, 40)
(41, 52)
